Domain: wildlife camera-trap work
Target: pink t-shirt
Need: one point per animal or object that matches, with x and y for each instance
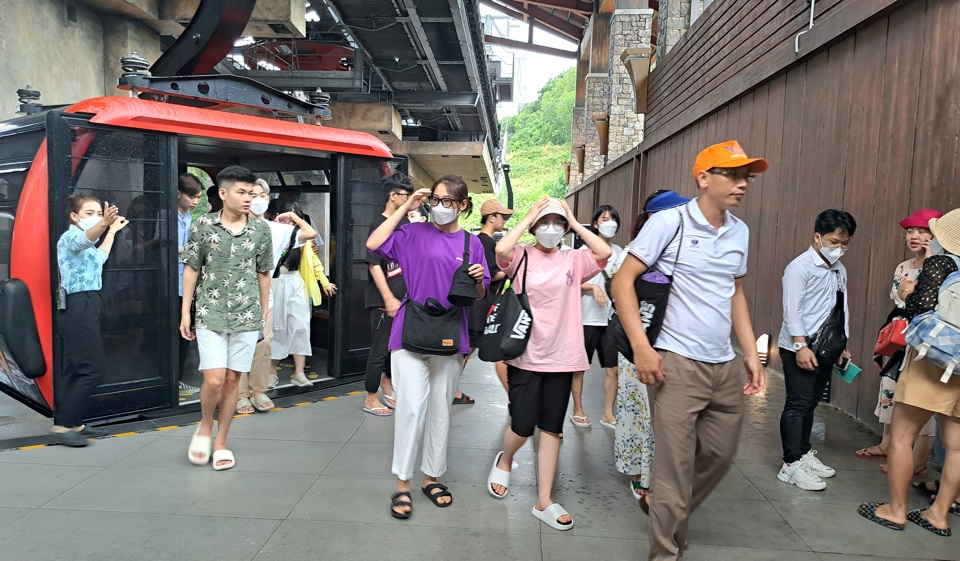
(554, 279)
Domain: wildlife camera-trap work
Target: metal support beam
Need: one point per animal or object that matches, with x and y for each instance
(555, 23)
(411, 99)
(575, 6)
(423, 43)
(533, 48)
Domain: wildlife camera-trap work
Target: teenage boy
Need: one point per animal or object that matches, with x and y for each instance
(189, 190)
(697, 387)
(232, 256)
(384, 291)
(253, 387)
(493, 219)
(810, 286)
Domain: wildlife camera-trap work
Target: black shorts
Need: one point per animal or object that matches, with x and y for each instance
(538, 399)
(595, 338)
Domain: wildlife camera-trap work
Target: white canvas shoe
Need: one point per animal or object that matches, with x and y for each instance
(802, 476)
(822, 470)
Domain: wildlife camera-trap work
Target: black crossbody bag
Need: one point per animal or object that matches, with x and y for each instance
(430, 328)
(831, 339)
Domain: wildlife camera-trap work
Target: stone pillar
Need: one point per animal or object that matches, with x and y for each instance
(673, 23)
(629, 29)
(576, 144)
(598, 102)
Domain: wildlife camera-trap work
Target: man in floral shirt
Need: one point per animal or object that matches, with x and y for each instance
(232, 256)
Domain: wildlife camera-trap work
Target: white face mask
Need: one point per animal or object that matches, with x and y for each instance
(89, 222)
(443, 215)
(549, 236)
(831, 254)
(608, 229)
(259, 205)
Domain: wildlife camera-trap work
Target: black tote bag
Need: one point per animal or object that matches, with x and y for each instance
(652, 297)
(508, 325)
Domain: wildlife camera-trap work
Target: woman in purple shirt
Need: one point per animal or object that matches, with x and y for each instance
(429, 254)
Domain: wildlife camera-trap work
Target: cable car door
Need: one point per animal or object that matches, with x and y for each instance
(136, 171)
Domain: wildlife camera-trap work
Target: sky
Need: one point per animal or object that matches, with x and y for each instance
(531, 70)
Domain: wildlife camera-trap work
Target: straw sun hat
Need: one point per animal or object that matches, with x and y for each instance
(947, 231)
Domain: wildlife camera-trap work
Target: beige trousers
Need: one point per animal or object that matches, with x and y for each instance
(262, 368)
(697, 415)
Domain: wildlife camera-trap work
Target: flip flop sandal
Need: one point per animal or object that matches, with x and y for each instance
(915, 517)
(261, 403)
(866, 453)
(635, 488)
(922, 487)
(199, 445)
(550, 515)
(611, 426)
(395, 502)
(584, 424)
(383, 411)
(386, 399)
(435, 497)
(869, 511)
(464, 399)
(499, 477)
(244, 407)
(223, 456)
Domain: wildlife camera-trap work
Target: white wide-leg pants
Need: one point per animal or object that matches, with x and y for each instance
(424, 386)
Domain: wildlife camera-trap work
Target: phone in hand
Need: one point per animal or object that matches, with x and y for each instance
(843, 363)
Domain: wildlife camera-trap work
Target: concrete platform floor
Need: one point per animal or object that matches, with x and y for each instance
(312, 483)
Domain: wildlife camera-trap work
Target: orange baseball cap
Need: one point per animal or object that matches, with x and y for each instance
(727, 154)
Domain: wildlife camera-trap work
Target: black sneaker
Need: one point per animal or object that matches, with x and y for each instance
(93, 432)
(72, 438)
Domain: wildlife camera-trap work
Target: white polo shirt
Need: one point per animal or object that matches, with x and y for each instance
(698, 321)
(809, 295)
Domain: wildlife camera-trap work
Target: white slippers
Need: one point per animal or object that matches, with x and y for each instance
(551, 514)
(581, 421)
(223, 456)
(199, 445)
(498, 477)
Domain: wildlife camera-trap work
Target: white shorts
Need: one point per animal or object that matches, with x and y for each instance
(226, 350)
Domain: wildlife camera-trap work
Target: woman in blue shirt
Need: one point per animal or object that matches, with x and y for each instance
(80, 263)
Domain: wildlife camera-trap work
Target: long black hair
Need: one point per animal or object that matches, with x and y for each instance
(292, 260)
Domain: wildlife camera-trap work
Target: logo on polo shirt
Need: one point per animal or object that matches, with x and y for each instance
(694, 242)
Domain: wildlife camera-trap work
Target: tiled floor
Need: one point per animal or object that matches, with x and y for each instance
(312, 483)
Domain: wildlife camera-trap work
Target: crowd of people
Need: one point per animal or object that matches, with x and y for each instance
(660, 315)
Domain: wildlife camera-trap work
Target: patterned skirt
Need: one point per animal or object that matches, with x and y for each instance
(633, 443)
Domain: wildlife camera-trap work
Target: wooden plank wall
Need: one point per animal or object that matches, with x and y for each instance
(868, 124)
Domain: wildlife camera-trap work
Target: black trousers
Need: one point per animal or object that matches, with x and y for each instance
(83, 357)
(804, 390)
(378, 362)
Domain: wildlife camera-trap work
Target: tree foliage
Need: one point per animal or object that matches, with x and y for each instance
(538, 145)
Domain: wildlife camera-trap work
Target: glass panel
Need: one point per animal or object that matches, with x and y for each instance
(12, 177)
(6, 234)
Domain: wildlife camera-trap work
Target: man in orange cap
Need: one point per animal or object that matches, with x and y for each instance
(696, 385)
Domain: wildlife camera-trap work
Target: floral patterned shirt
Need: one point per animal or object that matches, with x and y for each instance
(227, 293)
(906, 270)
(80, 262)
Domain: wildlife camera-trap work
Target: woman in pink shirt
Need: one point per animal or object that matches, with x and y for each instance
(540, 379)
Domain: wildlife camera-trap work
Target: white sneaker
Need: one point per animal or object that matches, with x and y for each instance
(800, 475)
(816, 466)
(300, 380)
(187, 388)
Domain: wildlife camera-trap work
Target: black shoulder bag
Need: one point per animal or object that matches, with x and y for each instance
(283, 256)
(430, 328)
(509, 321)
(652, 297)
(831, 339)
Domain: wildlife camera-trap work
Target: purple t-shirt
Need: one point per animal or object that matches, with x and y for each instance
(429, 258)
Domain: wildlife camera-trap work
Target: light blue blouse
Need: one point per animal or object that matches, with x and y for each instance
(80, 262)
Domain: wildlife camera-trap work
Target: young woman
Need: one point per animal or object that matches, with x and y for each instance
(539, 380)
(918, 238)
(633, 444)
(919, 395)
(80, 263)
(430, 253)
(295, 291)
(595, 310)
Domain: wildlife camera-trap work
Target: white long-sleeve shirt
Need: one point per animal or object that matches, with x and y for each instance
(809, 295)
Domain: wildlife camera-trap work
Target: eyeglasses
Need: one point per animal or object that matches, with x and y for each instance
(734, 174)
(447, 203)
(404, 195)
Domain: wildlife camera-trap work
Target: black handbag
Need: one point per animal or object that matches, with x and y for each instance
(652, 297)
(508, 325)
(831, 339)
(430, 328)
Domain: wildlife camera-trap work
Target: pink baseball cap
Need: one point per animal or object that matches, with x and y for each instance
(920, 219)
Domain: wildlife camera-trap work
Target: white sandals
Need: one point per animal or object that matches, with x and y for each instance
(551, 514)
(199, 445)
(498, 477)
(223, 456)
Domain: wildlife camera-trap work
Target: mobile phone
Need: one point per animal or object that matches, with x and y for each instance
(61, 298)
(843, 363)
